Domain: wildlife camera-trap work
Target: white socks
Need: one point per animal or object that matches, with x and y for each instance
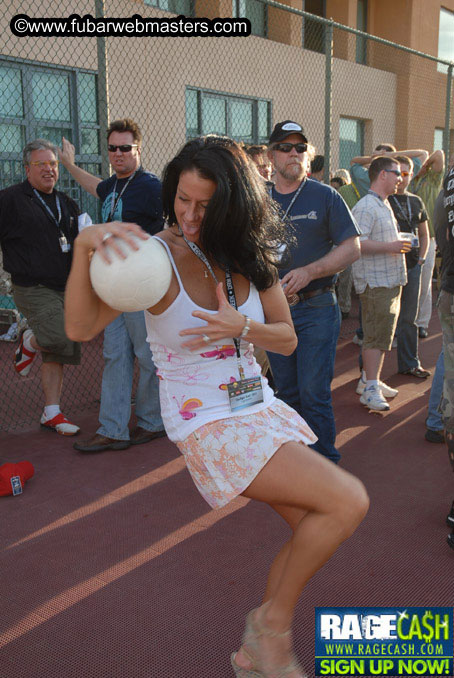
(51, 411)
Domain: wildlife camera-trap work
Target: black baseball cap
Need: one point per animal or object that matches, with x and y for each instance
(282, 130)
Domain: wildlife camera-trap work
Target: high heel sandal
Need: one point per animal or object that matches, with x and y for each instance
(256, 629)
(248, 639)
(241, 672)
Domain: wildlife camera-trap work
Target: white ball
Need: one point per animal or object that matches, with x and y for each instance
(134, 283)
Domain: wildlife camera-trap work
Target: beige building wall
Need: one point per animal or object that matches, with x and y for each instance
(369, 94)
(148, 79)
(293, 80)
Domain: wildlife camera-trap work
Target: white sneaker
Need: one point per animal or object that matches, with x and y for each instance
(373, 399)
(387, 391)
(60, 424)
(356, 340)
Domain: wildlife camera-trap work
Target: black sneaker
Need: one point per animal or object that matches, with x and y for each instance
(450, 517)
(450, 540)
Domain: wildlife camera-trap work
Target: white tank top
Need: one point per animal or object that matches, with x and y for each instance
(193, 386)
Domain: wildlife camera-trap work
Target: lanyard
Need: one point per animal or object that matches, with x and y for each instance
(356, 190)
(406, 217)
(300, 188)
(115, 201)
(49, 211)
(232, 302)
(230, 292)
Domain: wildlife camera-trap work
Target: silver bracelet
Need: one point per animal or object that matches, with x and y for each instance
(247, 326)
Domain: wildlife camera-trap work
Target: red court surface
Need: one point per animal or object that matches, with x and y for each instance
(112, 565)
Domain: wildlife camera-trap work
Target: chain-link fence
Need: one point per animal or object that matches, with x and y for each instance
(349, 90)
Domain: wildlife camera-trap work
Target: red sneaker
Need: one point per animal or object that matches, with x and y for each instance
(60, 424)
(23, 358)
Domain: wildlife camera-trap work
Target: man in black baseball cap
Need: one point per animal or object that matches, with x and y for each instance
(283, 129)
(320, 219)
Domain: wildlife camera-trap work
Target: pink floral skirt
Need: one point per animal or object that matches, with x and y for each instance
(224, 456)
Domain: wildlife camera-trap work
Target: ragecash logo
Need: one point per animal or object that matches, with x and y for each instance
(384, 641)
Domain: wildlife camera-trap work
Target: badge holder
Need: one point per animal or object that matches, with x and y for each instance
(64, 244)
(245, 393)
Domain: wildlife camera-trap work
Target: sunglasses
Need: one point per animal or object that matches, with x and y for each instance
(287, 147)
(398, 173)
(406, 174)
(44, 163)
(124, 148)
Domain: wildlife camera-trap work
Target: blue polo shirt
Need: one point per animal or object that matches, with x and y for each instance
(320, 219)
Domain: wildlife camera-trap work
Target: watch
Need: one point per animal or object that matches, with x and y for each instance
(421, 261)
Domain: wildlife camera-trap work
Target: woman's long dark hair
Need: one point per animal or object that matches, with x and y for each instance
(241, 228)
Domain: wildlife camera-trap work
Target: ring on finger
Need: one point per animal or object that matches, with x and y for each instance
(206, 338)
(106, 236)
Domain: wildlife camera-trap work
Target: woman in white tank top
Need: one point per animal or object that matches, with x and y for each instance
(237, 438)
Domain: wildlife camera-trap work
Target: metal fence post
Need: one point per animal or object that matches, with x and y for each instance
(446, 132)
(103, 91)
(329, 34)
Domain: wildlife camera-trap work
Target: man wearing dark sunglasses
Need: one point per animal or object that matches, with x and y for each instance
(411, 215)
(320, 219)
(378, 276)
(131, 194)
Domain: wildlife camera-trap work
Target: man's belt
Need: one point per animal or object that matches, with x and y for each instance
(314, 293)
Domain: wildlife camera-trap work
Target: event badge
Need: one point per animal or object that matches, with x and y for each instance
(244, 393)
(16, 485)
(64, 244)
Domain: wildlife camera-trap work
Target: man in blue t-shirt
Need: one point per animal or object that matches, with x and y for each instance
(321, 220)
(131, 195)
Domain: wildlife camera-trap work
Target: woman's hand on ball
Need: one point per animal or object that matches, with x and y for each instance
(225, 324)
(99, 237)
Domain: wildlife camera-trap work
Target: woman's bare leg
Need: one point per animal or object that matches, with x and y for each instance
(292, 517)
(330, 503)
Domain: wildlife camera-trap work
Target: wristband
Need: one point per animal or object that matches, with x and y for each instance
(247, 326)
(421, 261)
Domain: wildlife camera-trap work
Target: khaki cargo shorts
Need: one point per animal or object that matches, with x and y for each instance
(43, 309)
(380, 308)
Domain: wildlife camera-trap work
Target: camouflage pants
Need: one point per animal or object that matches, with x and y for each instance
(445, 305)
(344, 290)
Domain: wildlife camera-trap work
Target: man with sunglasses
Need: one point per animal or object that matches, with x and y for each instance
(133, 195)
(319, 219)
(378, 276)
(411, 216)
(38, 226)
